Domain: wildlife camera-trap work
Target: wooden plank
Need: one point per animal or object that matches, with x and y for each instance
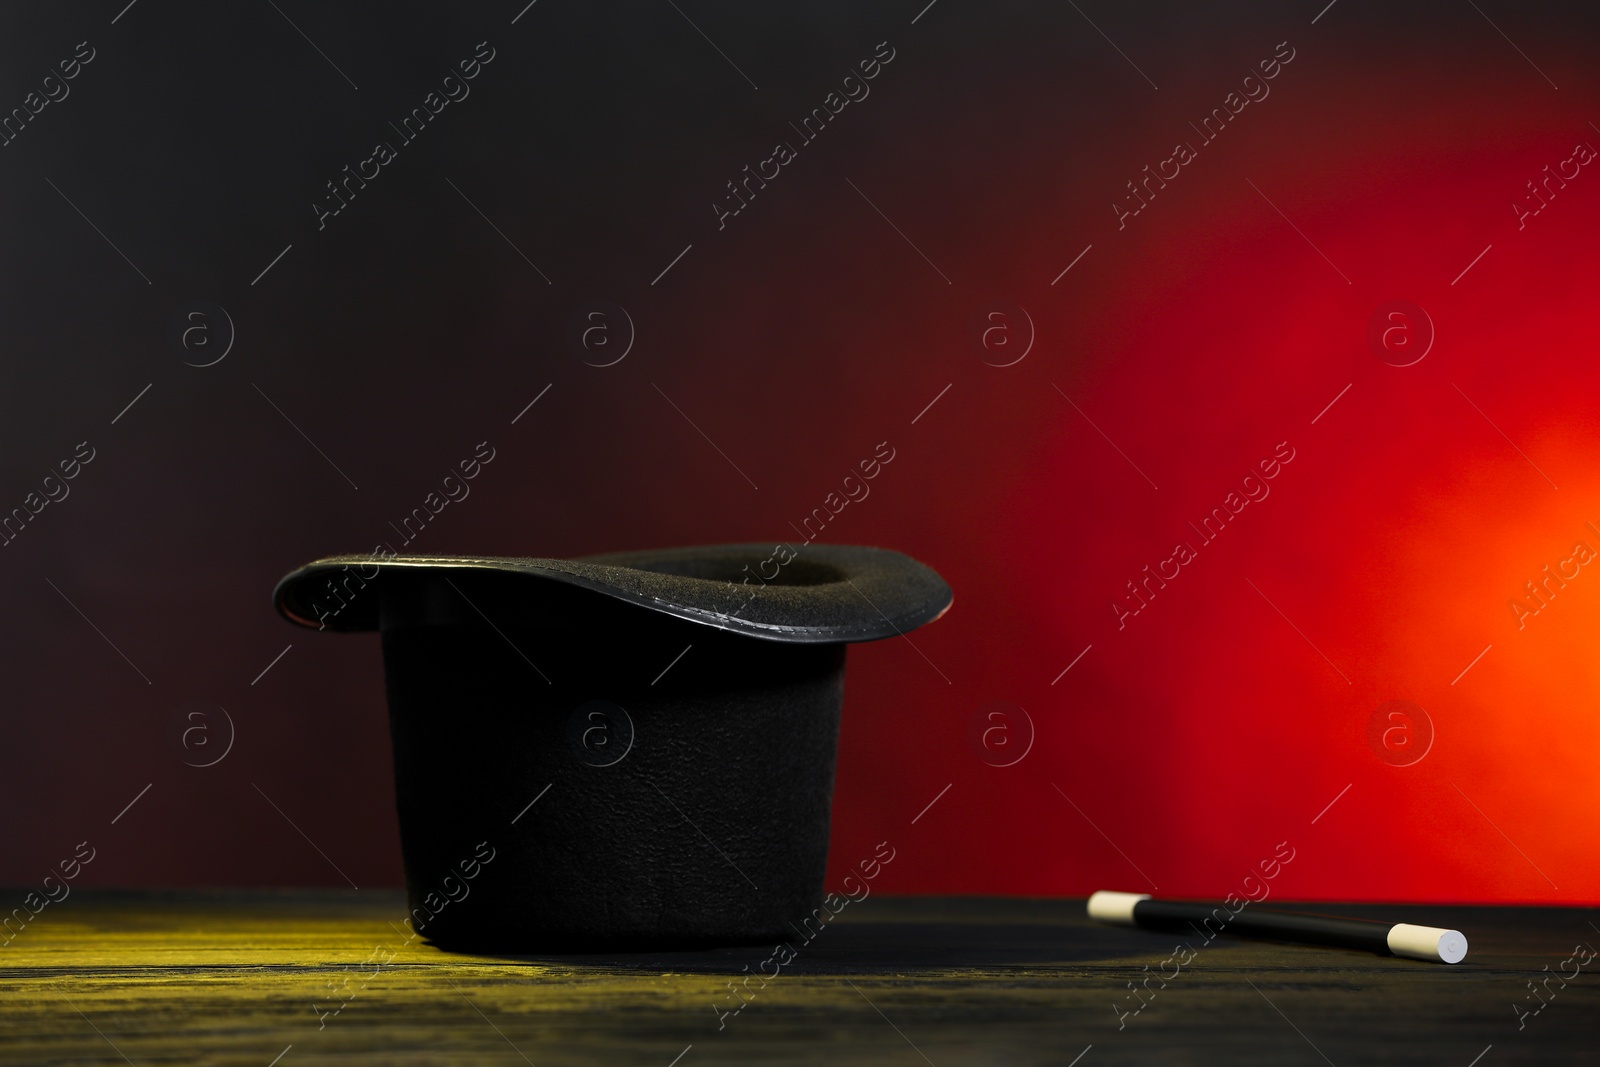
(244, 977)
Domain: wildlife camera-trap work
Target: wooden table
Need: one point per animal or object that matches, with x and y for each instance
(247, 977)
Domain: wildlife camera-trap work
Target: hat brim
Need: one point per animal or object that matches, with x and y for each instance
(816, 594)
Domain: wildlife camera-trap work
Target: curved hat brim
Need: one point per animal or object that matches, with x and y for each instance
(814, 595)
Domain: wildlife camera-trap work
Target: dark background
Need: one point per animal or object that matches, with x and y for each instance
(380, 350)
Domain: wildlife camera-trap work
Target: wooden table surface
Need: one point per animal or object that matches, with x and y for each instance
(302, 978)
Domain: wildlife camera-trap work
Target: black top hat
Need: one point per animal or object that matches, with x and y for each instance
(623, 750)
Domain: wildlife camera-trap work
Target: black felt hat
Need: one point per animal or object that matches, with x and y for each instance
(627, 750)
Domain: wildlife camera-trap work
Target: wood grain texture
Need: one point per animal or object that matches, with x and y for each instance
(240, 978)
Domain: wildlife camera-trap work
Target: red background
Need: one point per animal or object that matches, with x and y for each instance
(1178, 751)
